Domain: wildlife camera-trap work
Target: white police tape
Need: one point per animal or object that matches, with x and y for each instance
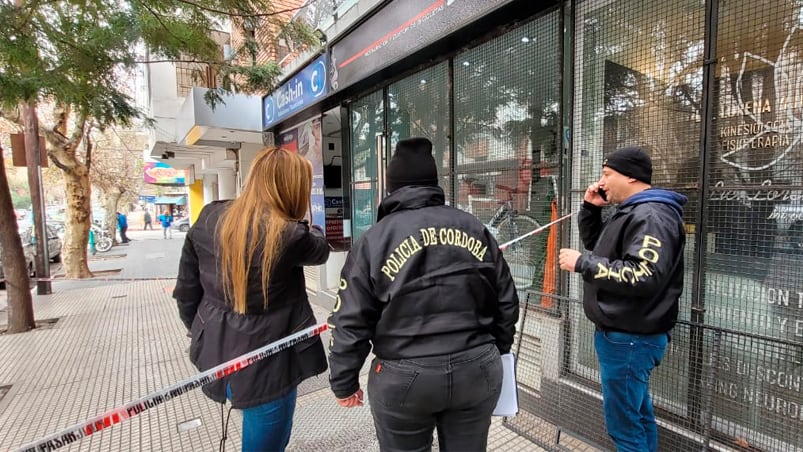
(101, 278)
(503, 246)
(117, 415)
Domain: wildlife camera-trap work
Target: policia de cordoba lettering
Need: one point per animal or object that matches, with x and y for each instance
(429, 290)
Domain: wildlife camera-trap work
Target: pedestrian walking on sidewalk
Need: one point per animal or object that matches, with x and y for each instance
(122, 224)
(147, 220)
(633, 279)
(166, 219)
(428, 287)
(241, 286)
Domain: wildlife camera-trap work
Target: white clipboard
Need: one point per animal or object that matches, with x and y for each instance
(508, 404)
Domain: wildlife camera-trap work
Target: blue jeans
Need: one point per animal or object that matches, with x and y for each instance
(267, 427)
(625, 362)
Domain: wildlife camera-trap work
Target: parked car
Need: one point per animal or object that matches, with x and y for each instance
(29, 250)
(182, 224)
(53, 241)
(57, 226)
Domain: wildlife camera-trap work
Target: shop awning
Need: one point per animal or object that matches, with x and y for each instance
(177, 200)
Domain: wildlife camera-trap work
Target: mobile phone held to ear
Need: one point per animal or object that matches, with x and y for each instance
(602, 194)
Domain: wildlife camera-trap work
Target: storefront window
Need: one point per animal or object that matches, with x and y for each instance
(754, 257)
(507, 97)
(638, 81)
(366, 123)
(419, 107)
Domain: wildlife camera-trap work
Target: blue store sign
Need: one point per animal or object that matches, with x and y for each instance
(333, 202)
(303, 89)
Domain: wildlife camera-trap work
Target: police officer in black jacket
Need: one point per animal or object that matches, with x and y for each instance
(428, 289)
(633, 279)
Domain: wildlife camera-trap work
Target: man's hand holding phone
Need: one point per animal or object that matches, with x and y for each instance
(595, 195)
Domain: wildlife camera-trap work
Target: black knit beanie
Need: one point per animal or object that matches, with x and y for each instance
(632, 162)
(412, 164)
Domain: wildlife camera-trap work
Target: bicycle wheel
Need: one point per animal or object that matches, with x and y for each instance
(103, 245)
(525, 256)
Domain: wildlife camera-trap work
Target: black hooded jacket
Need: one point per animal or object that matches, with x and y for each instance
(426, 280)
(220, 334)
(634, 275)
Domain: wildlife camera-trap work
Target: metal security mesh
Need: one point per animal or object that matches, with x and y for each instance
(713, 91)
(419, 107)
(753, 275)
(639, 82)
(726, 135)
(366, 124)
(638, 79)
(507, 106)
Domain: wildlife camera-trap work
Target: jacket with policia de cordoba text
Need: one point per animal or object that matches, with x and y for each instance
(427, 279)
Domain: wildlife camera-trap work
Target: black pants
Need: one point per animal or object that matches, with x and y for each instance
(124, 237)
(148, 225)
(456, 393)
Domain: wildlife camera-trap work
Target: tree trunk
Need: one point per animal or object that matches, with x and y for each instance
(15, 269)
(111, 198)
(76, 235)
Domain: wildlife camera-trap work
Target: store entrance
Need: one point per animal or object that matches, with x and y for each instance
(367, 130)
(333, 179)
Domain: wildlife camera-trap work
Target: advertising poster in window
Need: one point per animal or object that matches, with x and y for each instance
(306, 140)
(160, 173)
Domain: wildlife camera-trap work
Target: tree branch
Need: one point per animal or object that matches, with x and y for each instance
(233, 14)
(53, 154)
(13, 116)
(80, 126)
(88, 144)
(158, 18)
(62, 152)
(62, 113)
(179, 61)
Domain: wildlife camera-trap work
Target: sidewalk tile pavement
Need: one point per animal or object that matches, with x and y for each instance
(116, 343)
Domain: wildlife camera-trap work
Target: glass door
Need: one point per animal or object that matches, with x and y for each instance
(367, 128)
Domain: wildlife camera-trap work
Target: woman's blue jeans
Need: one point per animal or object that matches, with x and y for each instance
(267, 427)
(625, 363)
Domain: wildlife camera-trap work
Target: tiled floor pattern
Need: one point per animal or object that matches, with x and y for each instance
(117, 343)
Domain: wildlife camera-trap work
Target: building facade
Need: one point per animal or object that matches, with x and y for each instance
(523, 100)
(214, 146)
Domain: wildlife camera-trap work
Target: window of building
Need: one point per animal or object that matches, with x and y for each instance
(753, 257)
(506, 112)
(419, 107)
(638, 81)
(189, 75)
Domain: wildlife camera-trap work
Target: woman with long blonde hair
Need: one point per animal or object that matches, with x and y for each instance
(241, 286)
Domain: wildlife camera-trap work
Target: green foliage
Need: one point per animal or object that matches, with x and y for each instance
(260, 77)
(74, 51)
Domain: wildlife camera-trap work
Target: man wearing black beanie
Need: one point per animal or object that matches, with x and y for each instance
(633, 278)
(429, 290)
